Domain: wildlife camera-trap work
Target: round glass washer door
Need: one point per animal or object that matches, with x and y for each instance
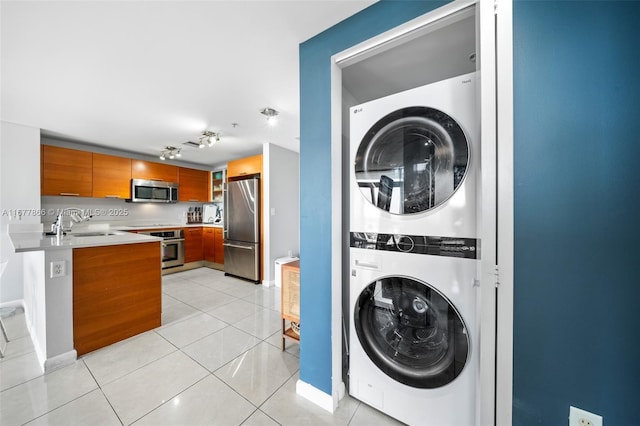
(411, 332)
(412, 160)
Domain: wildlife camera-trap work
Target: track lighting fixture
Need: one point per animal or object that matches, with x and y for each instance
(170, 152)
(208, 137)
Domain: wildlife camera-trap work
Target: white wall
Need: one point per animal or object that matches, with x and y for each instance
(281, 206)
(19, 189)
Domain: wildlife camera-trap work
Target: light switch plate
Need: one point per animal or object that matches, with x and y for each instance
(578, 417)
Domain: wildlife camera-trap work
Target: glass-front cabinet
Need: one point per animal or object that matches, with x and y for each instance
(217, 183)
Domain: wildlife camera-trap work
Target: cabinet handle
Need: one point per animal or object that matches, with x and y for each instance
(193, 199)
(69, 194)
(111, 196)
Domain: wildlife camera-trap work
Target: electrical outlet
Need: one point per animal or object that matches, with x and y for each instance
(58, 269)
(578, 417)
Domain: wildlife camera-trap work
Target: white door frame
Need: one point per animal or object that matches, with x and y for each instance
(496, 94)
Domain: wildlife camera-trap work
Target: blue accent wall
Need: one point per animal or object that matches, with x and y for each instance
(577, 198)
(315, 174)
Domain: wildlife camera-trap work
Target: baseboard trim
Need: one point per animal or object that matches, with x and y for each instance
(315, 395)
(60, 361)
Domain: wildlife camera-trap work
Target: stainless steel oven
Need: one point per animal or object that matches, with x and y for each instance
(172, 246)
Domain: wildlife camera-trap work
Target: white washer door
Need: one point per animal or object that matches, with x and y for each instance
(411, 332)
(412, 160)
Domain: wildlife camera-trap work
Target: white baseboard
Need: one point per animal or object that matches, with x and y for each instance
(315, 395)
(268, 283)
(60, 361)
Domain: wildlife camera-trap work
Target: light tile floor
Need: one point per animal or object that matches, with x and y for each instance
(216, 360)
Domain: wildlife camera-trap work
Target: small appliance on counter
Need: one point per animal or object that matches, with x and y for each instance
(212, 213)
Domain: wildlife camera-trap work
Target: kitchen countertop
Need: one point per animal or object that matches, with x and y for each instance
(166, 226)
(110, 236)
(35, 241)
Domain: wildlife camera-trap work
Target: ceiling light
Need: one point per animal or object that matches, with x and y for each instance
(210, 137)
(271, 115)
(171, 152)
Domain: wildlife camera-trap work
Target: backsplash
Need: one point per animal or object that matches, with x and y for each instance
(117, 212)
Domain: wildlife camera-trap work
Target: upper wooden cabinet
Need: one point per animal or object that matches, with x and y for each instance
(66, 172)
(193, 185)
(111, 176)
(245, 166)
(153, 171)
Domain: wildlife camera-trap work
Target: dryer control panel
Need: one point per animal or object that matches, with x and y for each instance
(419, 244)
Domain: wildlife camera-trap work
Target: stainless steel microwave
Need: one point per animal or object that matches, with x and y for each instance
(153, 191)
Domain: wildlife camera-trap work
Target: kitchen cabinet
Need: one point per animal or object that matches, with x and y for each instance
(116, 293)
(111, 176)
(290, 294)
(193, 244)
(153, 171)
(208, 241)
(66, 172)
(217, 184)
(194, 185)
(245, 167)
(218, 250)
(213, 249)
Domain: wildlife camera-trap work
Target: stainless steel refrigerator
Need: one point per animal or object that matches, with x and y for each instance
(242, 229)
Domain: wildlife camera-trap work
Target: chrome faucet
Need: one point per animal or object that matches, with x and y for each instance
(77, 215)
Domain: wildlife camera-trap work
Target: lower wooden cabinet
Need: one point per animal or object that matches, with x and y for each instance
(193, 244)
(218, 250)
(117, 293)
(213, 249)
(208, 241)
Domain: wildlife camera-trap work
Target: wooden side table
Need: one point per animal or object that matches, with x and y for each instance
(290, 301)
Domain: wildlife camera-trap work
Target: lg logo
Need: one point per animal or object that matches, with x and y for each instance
(357, 110)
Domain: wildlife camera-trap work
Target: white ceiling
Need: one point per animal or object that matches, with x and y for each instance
(138, 75)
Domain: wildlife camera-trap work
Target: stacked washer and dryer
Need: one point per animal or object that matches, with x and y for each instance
(413, 341)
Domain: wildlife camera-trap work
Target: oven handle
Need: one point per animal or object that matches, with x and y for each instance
(176, 240)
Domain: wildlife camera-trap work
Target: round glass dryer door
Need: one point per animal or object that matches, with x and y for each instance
(411, 332)
(411, 160)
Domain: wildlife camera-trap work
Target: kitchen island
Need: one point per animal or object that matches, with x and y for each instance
(86, 290)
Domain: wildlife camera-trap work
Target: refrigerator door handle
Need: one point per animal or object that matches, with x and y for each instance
(237, 246)
(225, 210)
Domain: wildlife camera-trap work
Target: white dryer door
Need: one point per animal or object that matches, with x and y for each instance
(411, 332)
(411, 160)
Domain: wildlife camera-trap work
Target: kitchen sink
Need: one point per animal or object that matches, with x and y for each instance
(91, 234)
(83, 234)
